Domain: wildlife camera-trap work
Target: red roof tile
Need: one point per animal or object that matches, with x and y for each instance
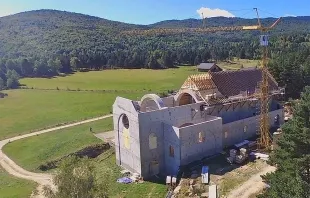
(231, 83)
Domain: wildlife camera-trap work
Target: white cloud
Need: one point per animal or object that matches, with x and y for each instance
(290, 15)
(6, 10)
(208, 12)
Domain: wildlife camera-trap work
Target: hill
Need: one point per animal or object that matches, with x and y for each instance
(45, 42)
(287, 24)
(49, 32)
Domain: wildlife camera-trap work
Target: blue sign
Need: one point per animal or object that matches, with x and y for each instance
(264, 40)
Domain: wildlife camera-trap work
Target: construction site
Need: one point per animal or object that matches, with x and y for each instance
(211, 112)
(217, 112)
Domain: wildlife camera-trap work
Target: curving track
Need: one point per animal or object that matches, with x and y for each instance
(41, 179)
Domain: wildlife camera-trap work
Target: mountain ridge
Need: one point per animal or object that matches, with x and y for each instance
(40, 11)
(46, 33)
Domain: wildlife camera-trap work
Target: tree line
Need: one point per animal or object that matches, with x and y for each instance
(292, 156)
(289, 63)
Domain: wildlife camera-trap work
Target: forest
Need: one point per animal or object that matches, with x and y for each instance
(45, 43)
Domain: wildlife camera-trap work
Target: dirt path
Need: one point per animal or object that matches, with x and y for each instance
(41, 178)
(252, 186)
(106, 137)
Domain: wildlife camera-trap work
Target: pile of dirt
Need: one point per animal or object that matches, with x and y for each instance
(92, 151)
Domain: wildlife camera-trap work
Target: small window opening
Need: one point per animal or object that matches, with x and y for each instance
(277, 120)
(245, 128)
(152, 141)
(201, 137)
(226, 134)
(125, 121)
(171, 151)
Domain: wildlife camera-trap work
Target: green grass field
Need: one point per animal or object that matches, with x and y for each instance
(11, 187)
(106, 162)
(246, 63)
(25, 110)
(34, 151)
(31, 152)
(122, 79)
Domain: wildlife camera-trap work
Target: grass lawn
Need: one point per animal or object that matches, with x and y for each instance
(122, 79)
(106, 162)
(102, 125)
(12, 187)
(237, 64)
(25, 110)
(31, 152)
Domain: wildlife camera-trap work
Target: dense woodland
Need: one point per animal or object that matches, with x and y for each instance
(47, 42)
(292, 156)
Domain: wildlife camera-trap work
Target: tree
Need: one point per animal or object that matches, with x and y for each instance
(75, 63)
(41, 68)
(1, 84)
(167, 60)
(77, 178)
(12, 79)
(292, 157)
(153, 63)
(53, 66)
(10, 65)
(197, 60)
(26, 67)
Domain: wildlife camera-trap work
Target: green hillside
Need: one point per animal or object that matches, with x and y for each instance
(50, 33)
(45, 43)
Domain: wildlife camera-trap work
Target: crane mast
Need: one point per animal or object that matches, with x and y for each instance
(264, 140)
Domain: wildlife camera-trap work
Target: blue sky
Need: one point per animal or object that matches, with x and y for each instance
(150, 11)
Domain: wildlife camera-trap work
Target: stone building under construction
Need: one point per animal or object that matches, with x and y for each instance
(211, 111)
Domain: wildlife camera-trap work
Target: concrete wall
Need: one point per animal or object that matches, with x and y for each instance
(172, 163)
(241, 111)
(132, 146)
(273, 114)
(229, 113)
(169, 101)
(236, 131)
(127, 155)
(148, 154)
(191, 147)
(176, 116)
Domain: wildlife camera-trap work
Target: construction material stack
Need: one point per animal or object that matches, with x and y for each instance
(238, 157)
(232, 156)
(243, 155)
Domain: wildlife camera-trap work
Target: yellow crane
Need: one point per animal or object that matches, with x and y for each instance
(264, 140)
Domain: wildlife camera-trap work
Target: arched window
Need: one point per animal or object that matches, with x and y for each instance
(125, 131)
(152, 141)
(201, 137)
(125, 121)
(171, 151)
(126, 138)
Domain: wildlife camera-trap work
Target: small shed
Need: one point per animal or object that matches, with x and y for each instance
(205, 67)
